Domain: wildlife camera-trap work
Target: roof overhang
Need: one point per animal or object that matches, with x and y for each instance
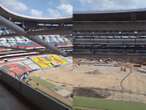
(17, 17)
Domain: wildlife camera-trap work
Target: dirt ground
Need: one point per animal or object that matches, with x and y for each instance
(99, 75)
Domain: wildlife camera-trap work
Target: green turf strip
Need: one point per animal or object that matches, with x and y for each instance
(44, 83)
(101, 104)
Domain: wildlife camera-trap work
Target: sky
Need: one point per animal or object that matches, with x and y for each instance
(39, 8)
(65, 8)
(101, 5)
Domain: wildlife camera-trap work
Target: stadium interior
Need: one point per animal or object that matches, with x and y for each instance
(91, 61)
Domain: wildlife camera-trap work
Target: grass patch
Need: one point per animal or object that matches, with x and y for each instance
(49, 89)
(86, 103)
(44, 83)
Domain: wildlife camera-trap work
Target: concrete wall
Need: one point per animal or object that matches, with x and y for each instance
(37, 98)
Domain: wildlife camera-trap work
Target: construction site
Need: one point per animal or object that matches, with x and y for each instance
(90, 61)
(116, 80)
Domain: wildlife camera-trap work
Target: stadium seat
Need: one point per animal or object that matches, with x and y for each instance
(15, 69)
(56, 60)
(31, 64)
(44, 64)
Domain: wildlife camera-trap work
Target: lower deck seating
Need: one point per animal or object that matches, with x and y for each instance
(56, 59)
(26, 65)
(31, 64)
(42, 62)
(15, 69)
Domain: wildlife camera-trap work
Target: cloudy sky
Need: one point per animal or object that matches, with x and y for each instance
(39, 8)
(100, 5)
(61, 8)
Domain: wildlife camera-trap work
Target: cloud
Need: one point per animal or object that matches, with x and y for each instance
(66, 8)
(63, 9)
(56, 9)
(36, 13)
(53, 13)
(21, 8)
(14, 5)
(111, 4)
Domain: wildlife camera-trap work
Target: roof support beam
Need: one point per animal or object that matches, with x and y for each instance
(11, 25)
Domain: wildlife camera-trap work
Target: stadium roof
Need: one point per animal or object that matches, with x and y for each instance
(17, 17)
(112, 15)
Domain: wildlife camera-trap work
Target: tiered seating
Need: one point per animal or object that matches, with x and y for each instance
(22, 42)
(15, 69)
(30, 64)
(19, 42)
(3, 42)
(18, 67)
(55, 39)
(42, 62)
(47, 61)
(4, 50)
(56, 60)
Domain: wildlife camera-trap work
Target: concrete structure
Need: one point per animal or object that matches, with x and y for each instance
(39, 99)
(95, 31)
(38, 25)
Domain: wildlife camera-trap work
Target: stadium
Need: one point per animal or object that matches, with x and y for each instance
(91, 61)
(30, 44)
